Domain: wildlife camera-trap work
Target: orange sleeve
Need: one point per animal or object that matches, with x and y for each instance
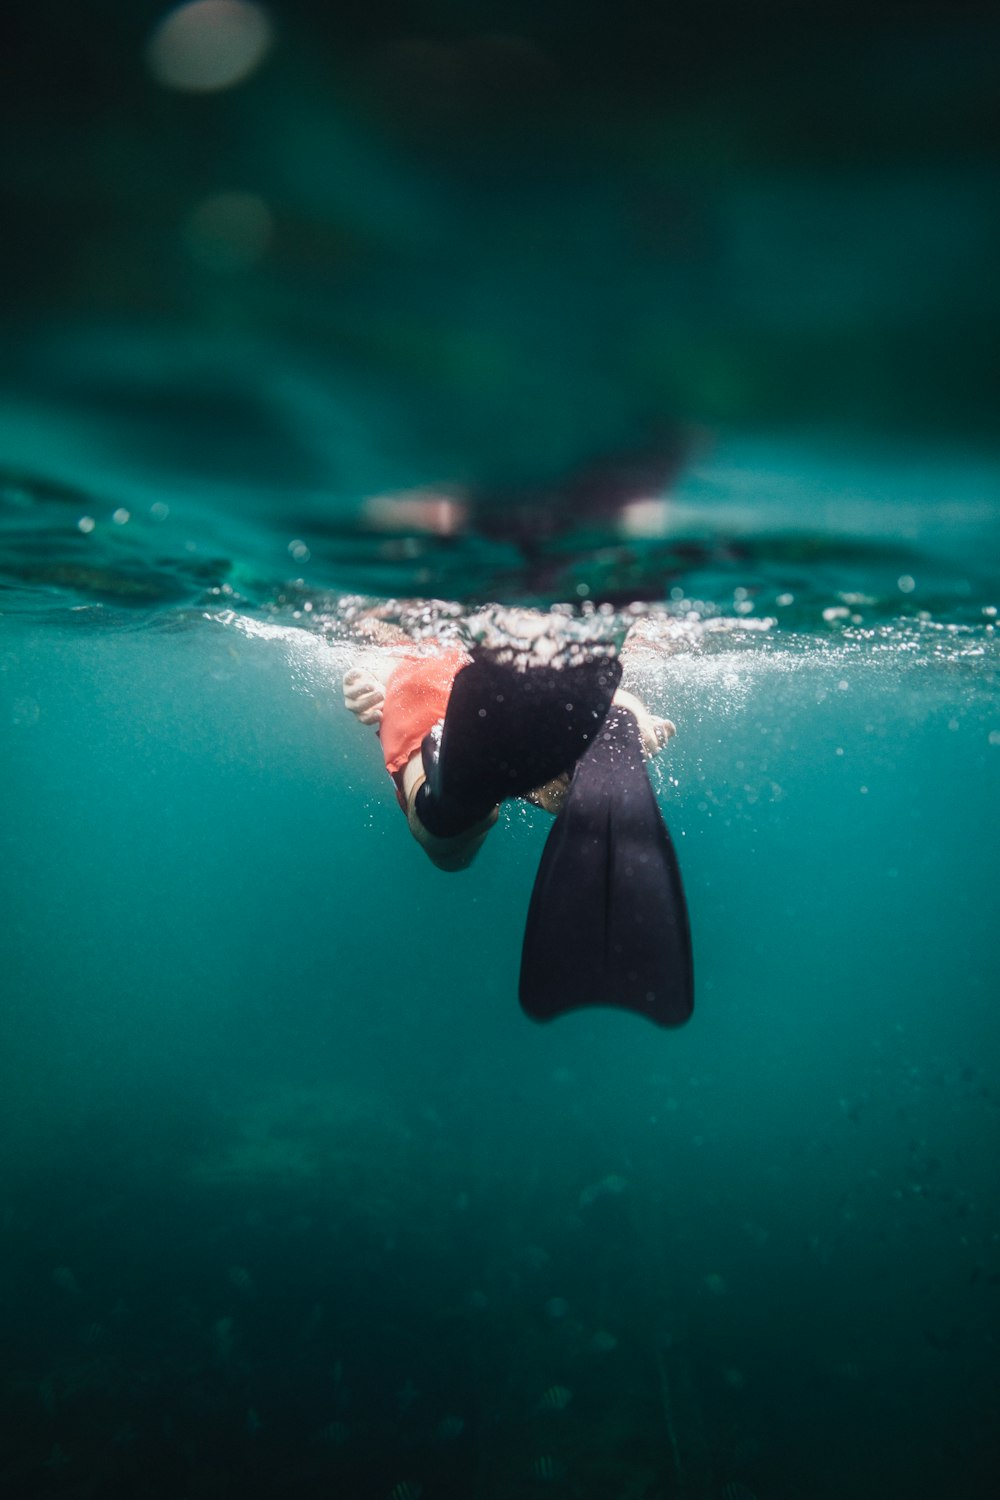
(416, 697)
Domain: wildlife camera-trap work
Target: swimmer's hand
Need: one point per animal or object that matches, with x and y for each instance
(364, 695)
(552, 795)
(663, 730)
(655, 732)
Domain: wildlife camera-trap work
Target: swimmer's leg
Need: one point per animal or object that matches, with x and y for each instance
(450, 853)
(608, 923)
(508, 731)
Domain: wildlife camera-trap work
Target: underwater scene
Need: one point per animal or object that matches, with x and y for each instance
(667, 338)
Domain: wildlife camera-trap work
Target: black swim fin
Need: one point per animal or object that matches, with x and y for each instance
(507, 731)
(608, 923)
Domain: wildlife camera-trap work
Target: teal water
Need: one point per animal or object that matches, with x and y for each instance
(295, 1200)
(683, 318)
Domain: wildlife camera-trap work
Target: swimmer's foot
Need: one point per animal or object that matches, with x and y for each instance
(508, 731)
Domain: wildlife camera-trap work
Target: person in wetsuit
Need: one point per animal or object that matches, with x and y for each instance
(403, 692)
(462, 731)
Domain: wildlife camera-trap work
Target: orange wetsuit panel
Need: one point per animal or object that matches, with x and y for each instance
(416, 697)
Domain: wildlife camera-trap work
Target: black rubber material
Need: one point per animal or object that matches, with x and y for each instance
(608, 923)
(508, 731)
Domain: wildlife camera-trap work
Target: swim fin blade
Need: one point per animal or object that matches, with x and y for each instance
(509, 730)
(608, 922)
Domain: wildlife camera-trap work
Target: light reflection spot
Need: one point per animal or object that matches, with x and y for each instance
(209, 45)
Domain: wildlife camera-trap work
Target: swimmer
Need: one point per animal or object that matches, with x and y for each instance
(404, 694)
(461, 731)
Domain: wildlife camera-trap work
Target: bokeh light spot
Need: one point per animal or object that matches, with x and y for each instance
(228, 231)
(209, 44)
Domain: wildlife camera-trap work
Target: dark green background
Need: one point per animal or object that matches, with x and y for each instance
(537, 233)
